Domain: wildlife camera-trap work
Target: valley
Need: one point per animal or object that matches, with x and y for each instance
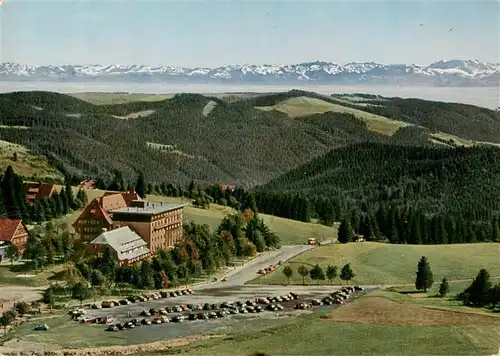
(405, 178)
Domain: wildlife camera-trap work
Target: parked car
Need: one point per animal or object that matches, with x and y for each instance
(202, 316)
(358, 288)
(107, 304)
(193, 316)
(212, 315)
(162, 311)
(124, 302)
(145, 313)
(153, 311)
(145, 321)
(164, 294)
(179, 318)
(112, 328)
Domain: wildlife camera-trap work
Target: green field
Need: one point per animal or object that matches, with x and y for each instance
(118, 98)
(378, 263)
(304, 106)
(388, 329)
(380, 323)
(27, 164)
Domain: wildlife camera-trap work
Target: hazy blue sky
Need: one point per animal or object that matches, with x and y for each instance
(213, 33)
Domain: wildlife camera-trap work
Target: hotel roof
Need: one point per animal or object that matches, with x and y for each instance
(151, 208)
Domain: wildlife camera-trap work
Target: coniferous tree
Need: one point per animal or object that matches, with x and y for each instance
(346, 233)
(346, 273)
(425, 278)
(140, 186)
(479, 292)
(444, 287)
(331, 273)
(9, 196)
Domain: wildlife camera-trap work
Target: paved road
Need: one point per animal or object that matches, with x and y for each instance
(242, 274)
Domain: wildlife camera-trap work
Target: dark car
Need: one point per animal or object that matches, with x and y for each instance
(212, 315)
(120, 326)
(145, 321)
(153, 311)
(193, 316)
(112, 328)
(202, 316)
(169, 309)
(221, 314)
(207, 306)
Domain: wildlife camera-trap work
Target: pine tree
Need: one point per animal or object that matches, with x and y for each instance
(444, 287)
(494, 230)
(346, 274)
(425, 278)
(140, 186)
(68, 190)
(331, 273)
(479, 292)
(8, 192)
(346, 233)
(64, 201)
(414, 237)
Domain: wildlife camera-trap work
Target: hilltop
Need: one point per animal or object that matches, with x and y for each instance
(245, 139)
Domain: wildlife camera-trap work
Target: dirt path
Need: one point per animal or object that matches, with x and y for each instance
(110, 350)
(11, 294)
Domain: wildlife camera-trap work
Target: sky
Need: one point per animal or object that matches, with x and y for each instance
(210, 34)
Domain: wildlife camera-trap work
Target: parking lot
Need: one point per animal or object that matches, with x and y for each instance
(209, 305)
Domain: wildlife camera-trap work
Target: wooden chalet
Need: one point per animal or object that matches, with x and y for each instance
(38, 191)
(15, 232)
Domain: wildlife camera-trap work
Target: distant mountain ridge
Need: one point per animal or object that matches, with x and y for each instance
(442, 73)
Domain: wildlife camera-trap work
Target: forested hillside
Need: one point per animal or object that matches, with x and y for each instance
(206, 139)
(390, 187)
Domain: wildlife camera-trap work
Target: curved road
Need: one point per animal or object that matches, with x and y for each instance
(242, 274)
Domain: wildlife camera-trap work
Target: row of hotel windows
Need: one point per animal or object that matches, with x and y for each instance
(92, 229)
(166, 220)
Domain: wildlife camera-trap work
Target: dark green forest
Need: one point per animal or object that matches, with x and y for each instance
(13, 204)
(234, 144)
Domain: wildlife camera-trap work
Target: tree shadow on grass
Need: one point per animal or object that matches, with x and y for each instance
(406, 292)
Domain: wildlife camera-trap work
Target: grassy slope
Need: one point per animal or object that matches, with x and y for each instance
(310, 334)
(304, 106)
(117, 98)
(377, 263)
(27, 164)
(313, 336)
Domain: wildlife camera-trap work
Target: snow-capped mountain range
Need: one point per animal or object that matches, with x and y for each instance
(442, 73)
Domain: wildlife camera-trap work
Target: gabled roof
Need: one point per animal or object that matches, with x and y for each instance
(95, 208)
(37, 190)
(127, 244)
(8, 227)
(128, 197)
(112, 201)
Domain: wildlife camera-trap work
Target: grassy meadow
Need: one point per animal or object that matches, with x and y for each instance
(381, 323)
(118, 98)
(379, 263)
(304, 106)
(26, 164)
